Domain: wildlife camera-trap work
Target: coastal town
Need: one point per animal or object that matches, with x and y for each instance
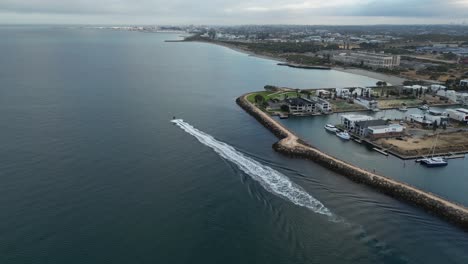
(416, 111)
(417, 117)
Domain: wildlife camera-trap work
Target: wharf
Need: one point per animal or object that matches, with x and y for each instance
(448, 155)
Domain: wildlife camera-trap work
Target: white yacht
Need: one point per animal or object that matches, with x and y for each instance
(434, 162)
(343, 135)
(330, 128)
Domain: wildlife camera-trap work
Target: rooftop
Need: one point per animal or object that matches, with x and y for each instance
(371, 123)
(298, 101)
(385, 126)
(357, 118)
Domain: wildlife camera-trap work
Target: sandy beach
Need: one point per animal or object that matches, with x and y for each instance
(390, 79)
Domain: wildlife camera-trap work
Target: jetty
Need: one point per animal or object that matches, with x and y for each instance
(291, 145)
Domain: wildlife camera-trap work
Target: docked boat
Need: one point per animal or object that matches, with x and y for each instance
(403, 109)
(343, 135)
(330, 128)
(434, 162)
(424, 107)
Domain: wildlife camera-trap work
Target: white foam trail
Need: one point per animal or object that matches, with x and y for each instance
(270, 179)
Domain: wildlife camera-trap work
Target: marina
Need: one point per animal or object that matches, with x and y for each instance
(394, 165)
(290, 144)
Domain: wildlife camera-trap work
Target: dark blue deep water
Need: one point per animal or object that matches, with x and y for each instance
(92, 171)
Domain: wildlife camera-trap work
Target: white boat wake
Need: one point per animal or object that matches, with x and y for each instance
(273, 181)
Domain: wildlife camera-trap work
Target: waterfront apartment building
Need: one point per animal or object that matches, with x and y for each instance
(322, 105)
(374, 60)
(300, 106)
(349, 121)
(303, 106)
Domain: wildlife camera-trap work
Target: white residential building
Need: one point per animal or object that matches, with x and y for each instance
(363, 92)
(454, 96)
(349, 121)
(322, 105)
(300, 106)
(343, 92)
(415, 87)
(430, 118)
(323, 93)
(369, 104)
(374, 60)
(419, 119)
(460, 114)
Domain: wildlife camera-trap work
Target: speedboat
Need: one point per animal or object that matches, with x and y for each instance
(343, 135)
(330, 128)
(434, 162)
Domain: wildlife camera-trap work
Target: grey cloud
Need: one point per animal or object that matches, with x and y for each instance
(227, 11)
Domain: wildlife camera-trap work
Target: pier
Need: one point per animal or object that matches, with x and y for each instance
(291, 145)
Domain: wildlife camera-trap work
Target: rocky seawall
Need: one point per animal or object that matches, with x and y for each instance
(291, 145)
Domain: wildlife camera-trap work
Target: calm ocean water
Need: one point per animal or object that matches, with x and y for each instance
(93, 171)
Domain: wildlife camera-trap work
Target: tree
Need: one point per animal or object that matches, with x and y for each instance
(212, 34)
(270, 88)
(258, 98)
(284, 108)
(450, 56)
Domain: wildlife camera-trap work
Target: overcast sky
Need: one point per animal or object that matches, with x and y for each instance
(233, 11)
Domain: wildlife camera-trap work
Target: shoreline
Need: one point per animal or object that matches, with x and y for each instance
(391, 79)
(293, 146)
(240, 50)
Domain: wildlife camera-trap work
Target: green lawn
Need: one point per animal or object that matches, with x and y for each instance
(251, 97)
(271, 95)
(345, 106)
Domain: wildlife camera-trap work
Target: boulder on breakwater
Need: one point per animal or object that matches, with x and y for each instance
(291, 145)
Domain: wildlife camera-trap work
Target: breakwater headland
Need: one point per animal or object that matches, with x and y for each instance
(291, 145)
(299, 66)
